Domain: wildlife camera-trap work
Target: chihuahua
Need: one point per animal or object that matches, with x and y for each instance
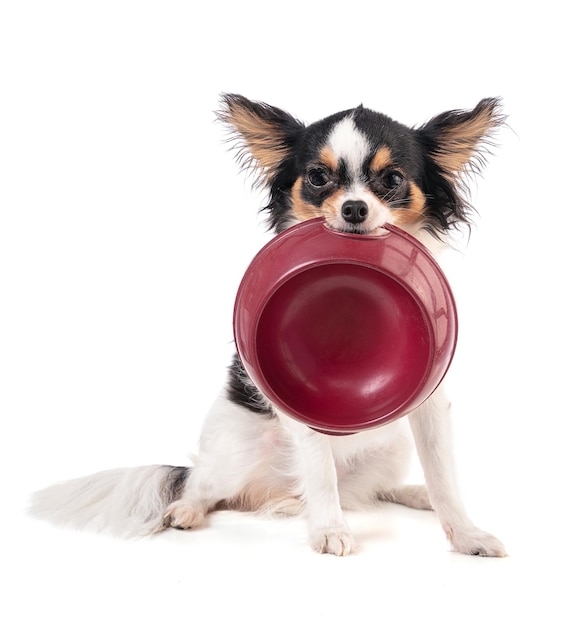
(359, 170)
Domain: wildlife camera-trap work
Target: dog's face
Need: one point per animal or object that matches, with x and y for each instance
(360, 169)
(357, 171)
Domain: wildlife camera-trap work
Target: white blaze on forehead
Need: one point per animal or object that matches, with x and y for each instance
(349, 144)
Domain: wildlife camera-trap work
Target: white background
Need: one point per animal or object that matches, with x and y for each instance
(125, 227)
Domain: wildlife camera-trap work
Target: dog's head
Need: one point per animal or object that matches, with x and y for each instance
(360, 169)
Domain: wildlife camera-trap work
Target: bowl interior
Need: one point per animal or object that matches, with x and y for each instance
(342, 346)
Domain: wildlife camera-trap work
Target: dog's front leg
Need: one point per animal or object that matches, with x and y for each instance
(431, 427)
(328, 531)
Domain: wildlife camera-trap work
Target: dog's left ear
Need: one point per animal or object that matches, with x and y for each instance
(457, 140)
(265, 136)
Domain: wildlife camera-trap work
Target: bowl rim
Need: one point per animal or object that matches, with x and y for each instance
(263, 384)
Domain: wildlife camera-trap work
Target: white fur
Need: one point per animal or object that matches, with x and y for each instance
(349, 144)
(125, 501)
(432, 433)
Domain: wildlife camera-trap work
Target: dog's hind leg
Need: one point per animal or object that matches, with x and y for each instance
(238, 467)
(413, 496)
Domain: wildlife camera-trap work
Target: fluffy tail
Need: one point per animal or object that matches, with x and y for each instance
(127, 502)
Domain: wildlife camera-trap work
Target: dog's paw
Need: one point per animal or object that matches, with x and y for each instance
(333, 540)
(476, 542)
(183, 514)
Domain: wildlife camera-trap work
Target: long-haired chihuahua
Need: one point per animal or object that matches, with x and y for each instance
(360, 170)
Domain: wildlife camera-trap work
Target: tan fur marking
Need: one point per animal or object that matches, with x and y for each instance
(415, 211)
(262, 495)
(264, 141)
(301, 209)
(382, 159)
(327, 157)
(305, 211)
(459, 143)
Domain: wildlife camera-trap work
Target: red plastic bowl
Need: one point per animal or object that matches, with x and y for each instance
(345, 332)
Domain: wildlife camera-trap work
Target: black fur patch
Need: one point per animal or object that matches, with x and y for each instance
(172, 486)
(241, 390)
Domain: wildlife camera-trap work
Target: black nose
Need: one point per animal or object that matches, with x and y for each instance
(354, 211)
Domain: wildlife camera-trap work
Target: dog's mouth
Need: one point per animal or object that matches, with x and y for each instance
(354, 229)
(357, 229)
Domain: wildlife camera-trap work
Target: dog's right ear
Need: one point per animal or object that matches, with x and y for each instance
(264, 136)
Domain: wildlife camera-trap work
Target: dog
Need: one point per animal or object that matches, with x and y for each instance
(360, 170)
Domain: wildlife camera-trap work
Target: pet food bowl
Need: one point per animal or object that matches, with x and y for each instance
(345, 332)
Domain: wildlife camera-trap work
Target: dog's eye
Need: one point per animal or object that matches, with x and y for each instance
(318, 177)
(392, 179)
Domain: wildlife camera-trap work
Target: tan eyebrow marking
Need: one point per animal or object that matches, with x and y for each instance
(327, 157)
(382, 159)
